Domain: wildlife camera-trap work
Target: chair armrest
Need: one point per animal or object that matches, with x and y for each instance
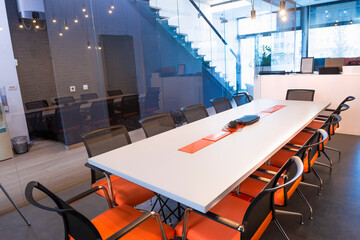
(136, 223)
(217, 218)
(330, 110)
(89, 192)
(107, 176)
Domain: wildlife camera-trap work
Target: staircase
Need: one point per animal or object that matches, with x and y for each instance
(211, 52)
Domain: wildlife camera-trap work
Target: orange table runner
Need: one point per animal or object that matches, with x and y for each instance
(212, 138)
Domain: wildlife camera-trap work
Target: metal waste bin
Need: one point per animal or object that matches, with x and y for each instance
(20, 144)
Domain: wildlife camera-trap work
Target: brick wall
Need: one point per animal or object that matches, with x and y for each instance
(31, 49)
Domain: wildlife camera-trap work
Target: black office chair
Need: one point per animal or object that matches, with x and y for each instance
(64, 100)
(194, 112)
(151, 102)
(221, 104)
(130, 111)
(242, 98)
(89, 96)
(112, 93)
(300, 94)
(122, 192)
(157, 124)
(235, 218)
(110, 225)
(68, 124)
(36, 104)
(102, 113)
(37, 125)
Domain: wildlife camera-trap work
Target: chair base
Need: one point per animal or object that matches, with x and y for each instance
(281, 229)
(282, 212)
(306, 201)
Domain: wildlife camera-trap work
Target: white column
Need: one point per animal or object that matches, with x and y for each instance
(8, 77)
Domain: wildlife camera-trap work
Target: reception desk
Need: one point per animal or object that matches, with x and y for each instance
(328, 88)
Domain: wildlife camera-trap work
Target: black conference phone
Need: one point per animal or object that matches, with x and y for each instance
(243, 121)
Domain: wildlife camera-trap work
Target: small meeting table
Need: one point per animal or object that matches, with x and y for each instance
(201, 179)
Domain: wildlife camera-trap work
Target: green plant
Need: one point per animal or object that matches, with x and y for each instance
(265, 56)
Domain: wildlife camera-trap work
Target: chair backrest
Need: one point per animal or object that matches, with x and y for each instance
(68, 117)
(313, 146)
(157, 124)
(241, 98)
(130, 105)
(114, 92)
(89, 96)
(104, 140)
(101, 112)
(152, 99)
(347, 99)
(300, 94)
(221, 104)
(64, 100)
(36, 104)
(75, 224)
(261, 209)
(194, 112)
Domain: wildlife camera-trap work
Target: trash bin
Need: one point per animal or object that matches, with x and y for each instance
(20, 144)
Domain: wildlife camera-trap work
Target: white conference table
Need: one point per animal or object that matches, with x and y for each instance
(202, 179)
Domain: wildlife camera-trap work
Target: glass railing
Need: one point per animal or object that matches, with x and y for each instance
(189, 25)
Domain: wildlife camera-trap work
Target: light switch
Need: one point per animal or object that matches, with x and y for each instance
(72, 89)
(12, 87)
(85, 87)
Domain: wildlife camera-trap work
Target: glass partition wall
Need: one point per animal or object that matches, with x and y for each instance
(118, 61)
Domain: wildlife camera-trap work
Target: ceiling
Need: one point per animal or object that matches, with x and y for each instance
(299, 2)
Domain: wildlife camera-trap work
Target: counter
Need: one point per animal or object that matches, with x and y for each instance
(328, 88)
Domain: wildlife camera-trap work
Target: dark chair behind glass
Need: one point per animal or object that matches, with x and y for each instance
(36, 123)
(89, 96)
(112, 93)
(68, 124)
(130, 111)
(221, 104)
(157, 124)
(194, 112)
(102, 113)
(300, 94)
(242, 98)
(36, 104)
(152, 99)
(64, 100)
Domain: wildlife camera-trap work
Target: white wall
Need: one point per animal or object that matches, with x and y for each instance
(8, 77)
(328, 88)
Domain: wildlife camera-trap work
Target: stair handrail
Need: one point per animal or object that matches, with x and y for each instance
(212, 26)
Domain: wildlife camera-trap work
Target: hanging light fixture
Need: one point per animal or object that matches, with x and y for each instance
(253, 12)
(282, 8)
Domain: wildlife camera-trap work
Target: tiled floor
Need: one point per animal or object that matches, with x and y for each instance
(336, 211)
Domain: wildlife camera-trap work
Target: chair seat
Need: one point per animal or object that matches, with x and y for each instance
(116, 218)
(301, 138)
(316, 124)
(125, 192)
(280, 157)
(199, 227)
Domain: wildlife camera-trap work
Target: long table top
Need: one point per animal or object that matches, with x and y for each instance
(202, 179)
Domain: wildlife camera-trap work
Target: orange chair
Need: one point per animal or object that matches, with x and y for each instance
(122, 192)
(234, 218)
(305, 135)
(123, 222)
(254, 184)
(317, 123)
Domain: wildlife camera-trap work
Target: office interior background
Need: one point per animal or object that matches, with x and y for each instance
(161, 54)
